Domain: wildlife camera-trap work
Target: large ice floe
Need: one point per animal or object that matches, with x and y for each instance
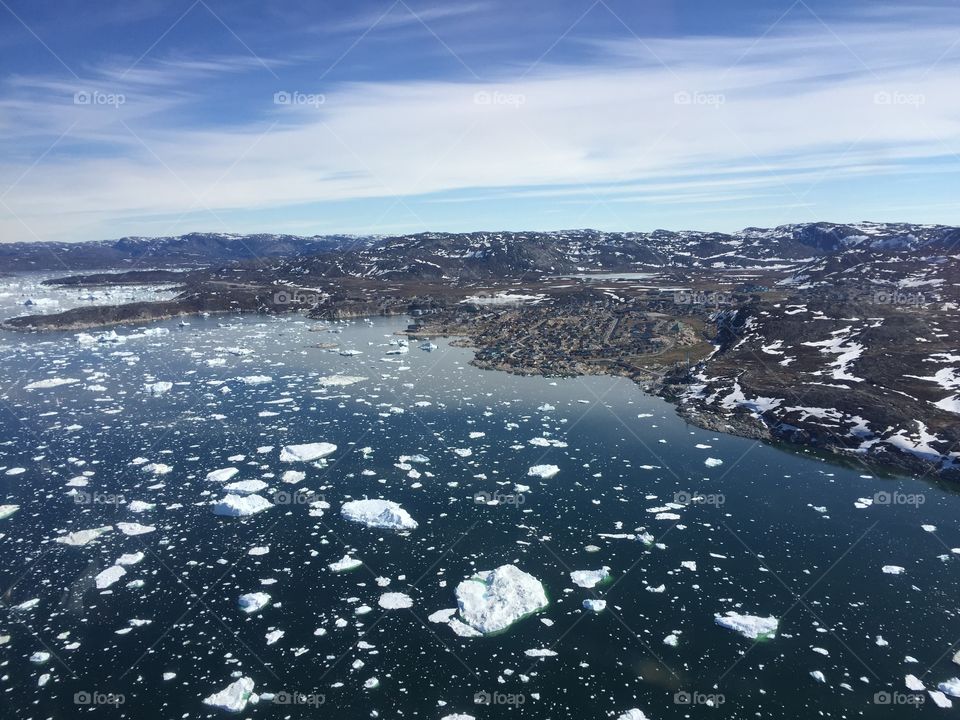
(750, 626)
(378, 514)
(492, 600)
(589, 578)
(234, 697)
(241, 505)
(252, 602)
(306, 452)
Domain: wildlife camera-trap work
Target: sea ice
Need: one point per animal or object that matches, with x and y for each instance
(378, 514)
(395, 601)
(134, 528)
(493, 600)
(234, 697)
(158, 388)
(590, 578)
(345, 563)
(246, 487)
(543, 471)
(82, 537)
(306, 452)
(750, 626)
(252, 602)
(222, 475)
(241, 506)
(109, 576)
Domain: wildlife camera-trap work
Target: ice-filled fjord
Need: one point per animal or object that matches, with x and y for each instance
(230, 516)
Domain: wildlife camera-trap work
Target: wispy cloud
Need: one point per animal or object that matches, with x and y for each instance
(656, 121)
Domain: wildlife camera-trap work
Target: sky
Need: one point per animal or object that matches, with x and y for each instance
(161, 117)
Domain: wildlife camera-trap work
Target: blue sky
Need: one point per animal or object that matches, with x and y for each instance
(155, 117)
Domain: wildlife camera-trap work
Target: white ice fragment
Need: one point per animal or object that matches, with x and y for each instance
(493, 600)
(543, 472)
(306, 452)
(378, 514)
(395, 601)
(109, 576)
(750, 626)
(234, 697)
(590, 578)
(253, 602)
(345, 563)
(241, 506)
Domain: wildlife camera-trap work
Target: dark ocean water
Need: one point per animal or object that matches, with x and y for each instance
(777, 534)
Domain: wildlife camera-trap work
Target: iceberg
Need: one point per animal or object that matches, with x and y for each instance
(493, 600)
(50, 383)
(632, 714)
(395, 601)
(594, 605)
(543, 471)
(345, 563)
(378, 514)
(750, 626)
(306, 452)
(109, 576)
(241, 505)
(246, 487)
(7, 510)
(234, 697)
(222, 475)
(253, 602)
(134, 528)
(82, 537)
(590, 578)
(339, 380)
(158, 388)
